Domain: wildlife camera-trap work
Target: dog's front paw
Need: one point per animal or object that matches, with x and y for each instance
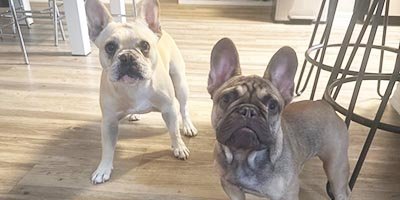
(189, 129)
(181, 151)
(101, 175)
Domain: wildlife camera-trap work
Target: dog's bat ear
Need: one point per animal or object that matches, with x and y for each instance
(224, 64)
(281, 71)
(98, 18)
(149, 10)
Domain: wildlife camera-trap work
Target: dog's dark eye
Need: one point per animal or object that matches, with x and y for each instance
(273, 105)
(111, 47)
(144, 47)
(266, 99)
(228, 97)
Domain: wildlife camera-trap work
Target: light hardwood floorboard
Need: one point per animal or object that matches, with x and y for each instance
(49, 115)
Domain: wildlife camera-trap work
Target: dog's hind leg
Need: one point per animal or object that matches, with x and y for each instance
(336, 165)
(177, 73)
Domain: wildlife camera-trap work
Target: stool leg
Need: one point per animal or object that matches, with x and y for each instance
(14, 26)
(298, 91)
(55, 23)
(324, 34)
(331, 16)
(338, 62)
(60, 24)
(21, 39)
(377, 119)
(385, 24)
(364, 62)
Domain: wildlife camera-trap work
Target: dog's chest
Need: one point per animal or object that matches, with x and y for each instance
(138, 102)
(260, 180)
(141, 107)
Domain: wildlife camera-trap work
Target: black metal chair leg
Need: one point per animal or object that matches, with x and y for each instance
(317, 22)
(364, 62)
(312, 65)
(331, 16)
(385, 24)
(338, 62)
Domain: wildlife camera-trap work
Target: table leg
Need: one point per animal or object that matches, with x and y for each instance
(77, 27)
(117, 8)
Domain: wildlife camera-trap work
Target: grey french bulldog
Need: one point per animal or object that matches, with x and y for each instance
(263, 140)
(143, 71)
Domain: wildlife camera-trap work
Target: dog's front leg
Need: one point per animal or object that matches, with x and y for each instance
(177, 73)
(170, 116)
(109, 134)
(233, 192)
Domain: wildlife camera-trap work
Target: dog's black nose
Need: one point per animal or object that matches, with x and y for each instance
(126, 58)
(248, 111)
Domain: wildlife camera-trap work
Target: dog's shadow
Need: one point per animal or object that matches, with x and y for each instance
(64, 166)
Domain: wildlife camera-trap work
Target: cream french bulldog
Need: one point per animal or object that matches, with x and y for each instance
(263, 140)
(143, 71)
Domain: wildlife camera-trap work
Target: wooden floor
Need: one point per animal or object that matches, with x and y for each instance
(49, 116)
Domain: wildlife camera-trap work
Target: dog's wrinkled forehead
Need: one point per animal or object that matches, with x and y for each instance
(249, 87)
(128, 34)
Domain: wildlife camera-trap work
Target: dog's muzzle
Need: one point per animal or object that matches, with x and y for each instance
(243, 128)
(128, 67)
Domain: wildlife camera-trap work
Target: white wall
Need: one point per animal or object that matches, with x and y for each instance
(395, 100)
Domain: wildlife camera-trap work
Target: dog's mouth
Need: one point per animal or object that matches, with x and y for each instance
(243, 138)
(130, 74)
(127, 79)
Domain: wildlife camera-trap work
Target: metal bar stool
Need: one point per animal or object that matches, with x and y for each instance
(335, 82)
